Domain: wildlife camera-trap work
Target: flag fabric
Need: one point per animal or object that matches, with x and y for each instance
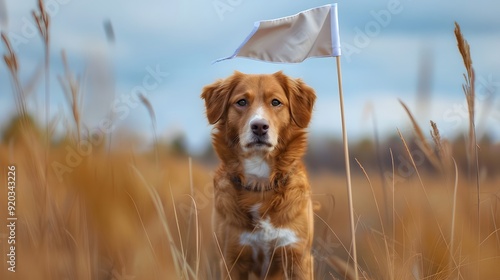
(292, 39)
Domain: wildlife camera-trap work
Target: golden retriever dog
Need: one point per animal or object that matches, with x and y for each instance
(263, 218)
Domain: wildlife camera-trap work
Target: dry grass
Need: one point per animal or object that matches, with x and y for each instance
(120, 214)
(114, 214)
(110, 214)
(422, 140)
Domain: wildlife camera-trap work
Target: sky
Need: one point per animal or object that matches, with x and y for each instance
(165, 49)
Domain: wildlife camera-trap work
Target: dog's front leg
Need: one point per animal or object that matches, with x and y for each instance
(233, 273)
(236, 263)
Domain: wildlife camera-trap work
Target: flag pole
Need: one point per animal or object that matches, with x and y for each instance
(348, 170)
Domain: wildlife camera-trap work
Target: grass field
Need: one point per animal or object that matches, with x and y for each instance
(86, 210)
(113, 216)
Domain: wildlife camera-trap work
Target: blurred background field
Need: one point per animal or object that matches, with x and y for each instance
(128, 214)
(98, 198)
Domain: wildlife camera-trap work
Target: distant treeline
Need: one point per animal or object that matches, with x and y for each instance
(327, 155)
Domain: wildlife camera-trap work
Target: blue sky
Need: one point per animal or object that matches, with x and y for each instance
(167, 46)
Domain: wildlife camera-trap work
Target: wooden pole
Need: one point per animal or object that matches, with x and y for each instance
(348, 171)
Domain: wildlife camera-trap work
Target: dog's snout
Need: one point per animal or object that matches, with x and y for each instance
(259, 127)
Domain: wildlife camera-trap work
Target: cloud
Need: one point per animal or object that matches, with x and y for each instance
(185, 37)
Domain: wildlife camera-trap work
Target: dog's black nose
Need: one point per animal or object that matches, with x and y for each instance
(259, 127)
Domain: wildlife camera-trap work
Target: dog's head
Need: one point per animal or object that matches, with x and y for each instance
(254, 110)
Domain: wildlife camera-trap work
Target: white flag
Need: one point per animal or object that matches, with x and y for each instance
(292, 39)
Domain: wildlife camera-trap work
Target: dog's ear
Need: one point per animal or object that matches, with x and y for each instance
(216, 96)
(301, 98)
(215, 101)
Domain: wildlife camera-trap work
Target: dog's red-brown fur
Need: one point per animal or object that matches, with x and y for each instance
(263, 218)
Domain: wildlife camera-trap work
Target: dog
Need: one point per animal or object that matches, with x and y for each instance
(263, 216)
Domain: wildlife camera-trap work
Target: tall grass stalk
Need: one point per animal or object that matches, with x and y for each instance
(10, 59)
(393, 207)
(380, 163)
(442, 148)
(470, 95)
(142, 225)
(42, 20)
(427, 199)
(183, 253)
(184, 261)
(422, 143)
(407, 149)
(71, 88)
(333, 232)
(145, 101)
(195, 209)
(453, 220)
(198, 238)
(162, 217)
(228, 271)
(390, 260)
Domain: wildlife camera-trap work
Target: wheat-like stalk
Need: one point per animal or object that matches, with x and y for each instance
(423, 143)
(71, 89)
(436, 136)
(442, 147)
(42, 20)
(469, 90)
(145, 101)
(10, 59)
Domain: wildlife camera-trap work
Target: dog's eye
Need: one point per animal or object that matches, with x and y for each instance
(242, 102)
(275, 102)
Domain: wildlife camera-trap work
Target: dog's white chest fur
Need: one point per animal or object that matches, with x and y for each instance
(256, 166)
(266, 234)
(265, 237)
